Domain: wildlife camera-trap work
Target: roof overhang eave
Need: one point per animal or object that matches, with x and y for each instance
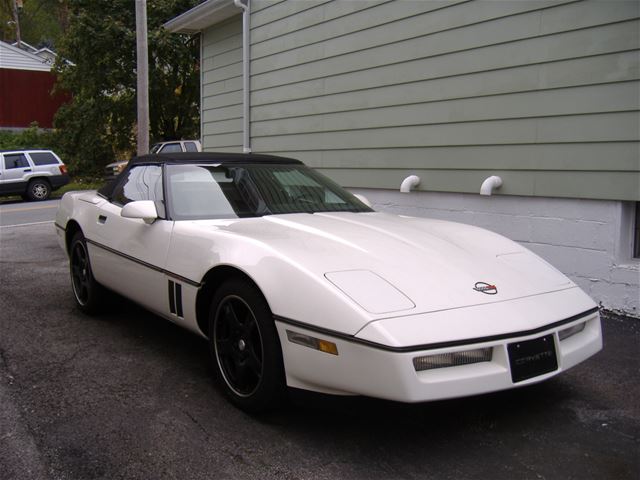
(202, 16)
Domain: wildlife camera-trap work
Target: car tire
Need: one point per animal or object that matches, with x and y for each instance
(87, 292)
(245, 348)
(38, 189)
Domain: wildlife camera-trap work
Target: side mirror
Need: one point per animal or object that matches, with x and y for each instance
(141, 209)
(363, 199)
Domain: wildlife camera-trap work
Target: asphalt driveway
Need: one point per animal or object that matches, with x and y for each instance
(26, 213)
(129, 395)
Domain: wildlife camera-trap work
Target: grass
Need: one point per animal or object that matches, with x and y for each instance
(79, 183)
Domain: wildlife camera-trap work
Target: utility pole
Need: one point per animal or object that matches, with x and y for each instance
(143, 77)
(16, 20)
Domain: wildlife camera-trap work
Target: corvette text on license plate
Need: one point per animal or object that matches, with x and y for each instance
(531, 358)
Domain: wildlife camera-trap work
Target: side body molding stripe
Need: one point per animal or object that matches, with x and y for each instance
(145, 264)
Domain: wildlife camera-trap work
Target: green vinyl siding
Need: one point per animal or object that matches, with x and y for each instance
(368, 69)
(318, 24)
(601, 127)
(545, 94)
(587, 157)
(528, 183)
(542, 79)
(221, 103)
(611, 97)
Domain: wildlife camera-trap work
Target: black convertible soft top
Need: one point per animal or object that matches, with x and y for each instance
(212, 157)
(198, 157)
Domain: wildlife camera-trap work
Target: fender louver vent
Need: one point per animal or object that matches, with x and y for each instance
(175, 298)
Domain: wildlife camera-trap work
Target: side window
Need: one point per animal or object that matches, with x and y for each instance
(141, 183)
(18, 160)
(171, 148)
(43, 158)
(190, 146)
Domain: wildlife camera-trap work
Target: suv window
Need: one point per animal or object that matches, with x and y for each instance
(190, 146)
(141, 183)
(43, 158)
(171, 148)
(18, 160)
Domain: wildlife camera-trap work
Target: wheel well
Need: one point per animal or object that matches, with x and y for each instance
(71, 230)
(45, 179)
(210, 283)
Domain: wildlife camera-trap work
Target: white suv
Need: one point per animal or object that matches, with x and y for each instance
(177, 146)
(112, 170)
(33, 174)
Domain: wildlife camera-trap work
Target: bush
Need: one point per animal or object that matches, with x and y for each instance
(32, 137)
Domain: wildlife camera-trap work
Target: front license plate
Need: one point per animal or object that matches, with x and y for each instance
(531, 358)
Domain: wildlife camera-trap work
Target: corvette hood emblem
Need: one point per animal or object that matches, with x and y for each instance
(487, 288)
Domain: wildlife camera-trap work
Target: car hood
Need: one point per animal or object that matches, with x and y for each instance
(391, 265)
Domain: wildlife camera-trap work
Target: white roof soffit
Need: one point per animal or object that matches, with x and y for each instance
(202, 16)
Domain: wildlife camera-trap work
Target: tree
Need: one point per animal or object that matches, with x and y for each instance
(7, 21)
(96, 64)
(177, 115)
(41, 21)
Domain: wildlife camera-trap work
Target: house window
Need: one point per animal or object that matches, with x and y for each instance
(636, 232)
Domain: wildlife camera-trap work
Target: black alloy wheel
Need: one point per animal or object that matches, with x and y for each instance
(38, 189)
(245, 347)
(87, 292)
(238, 345)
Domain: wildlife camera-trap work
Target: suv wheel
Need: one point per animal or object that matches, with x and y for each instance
(38, 189)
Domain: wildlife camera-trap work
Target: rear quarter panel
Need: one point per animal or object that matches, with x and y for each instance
(79, 207)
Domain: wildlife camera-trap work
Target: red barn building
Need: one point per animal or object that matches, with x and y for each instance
(26, 83)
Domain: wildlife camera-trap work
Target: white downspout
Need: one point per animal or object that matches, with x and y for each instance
(246, 63)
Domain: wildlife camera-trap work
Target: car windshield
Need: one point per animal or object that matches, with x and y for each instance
(237, 191)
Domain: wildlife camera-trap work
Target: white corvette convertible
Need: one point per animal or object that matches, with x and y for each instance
(296, 282)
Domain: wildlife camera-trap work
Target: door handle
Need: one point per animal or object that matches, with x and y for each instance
(102, 219)
(27, 170)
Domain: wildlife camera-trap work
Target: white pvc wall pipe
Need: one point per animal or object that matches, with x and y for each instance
(412, 181)
(490, 184)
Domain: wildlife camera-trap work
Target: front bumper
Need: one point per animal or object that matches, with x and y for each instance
(362, 368)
